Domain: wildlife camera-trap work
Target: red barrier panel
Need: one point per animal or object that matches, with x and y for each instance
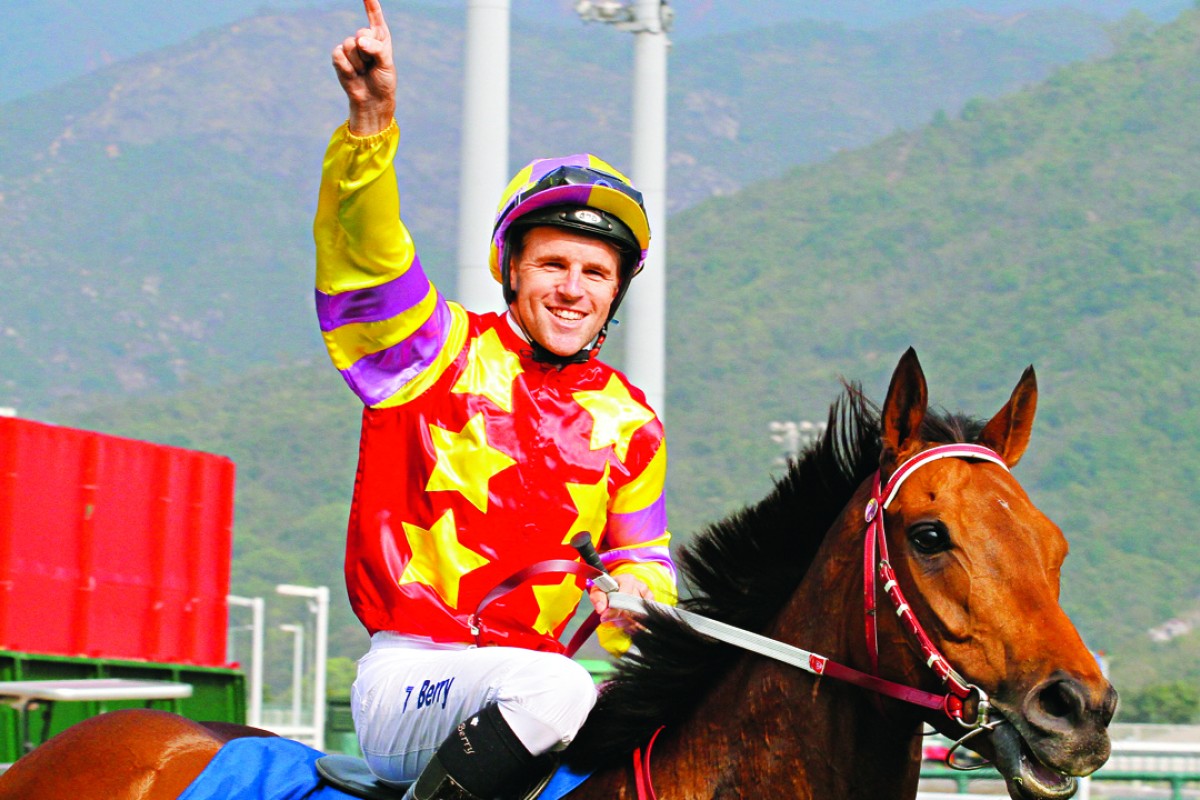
(112, 547)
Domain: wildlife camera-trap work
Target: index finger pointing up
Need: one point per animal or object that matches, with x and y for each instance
(375, 15)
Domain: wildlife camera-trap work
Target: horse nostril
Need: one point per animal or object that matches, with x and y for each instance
(1066, 723)
(1058, 701)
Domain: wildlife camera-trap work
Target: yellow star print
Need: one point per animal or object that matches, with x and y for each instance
(465, 462)
(616, 416)
(555, 604)
(490, 370)
(591, 501)
(439, 560)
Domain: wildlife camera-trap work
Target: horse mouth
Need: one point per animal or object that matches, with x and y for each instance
(1026, 777)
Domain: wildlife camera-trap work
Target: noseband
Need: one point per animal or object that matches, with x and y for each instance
(876, 563)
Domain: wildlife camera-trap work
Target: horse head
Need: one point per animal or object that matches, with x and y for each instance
(902, 505)
(980, 566)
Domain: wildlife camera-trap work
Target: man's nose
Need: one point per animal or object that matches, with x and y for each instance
(572, 283)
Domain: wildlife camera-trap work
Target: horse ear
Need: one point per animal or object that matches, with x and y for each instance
(1008, 432)
(903, 411)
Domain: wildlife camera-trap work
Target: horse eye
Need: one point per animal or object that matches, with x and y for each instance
(929, 537)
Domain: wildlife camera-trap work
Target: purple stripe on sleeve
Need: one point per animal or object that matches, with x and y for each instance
(374, 304)
(376, 377)
(627, 530)
(660, 555)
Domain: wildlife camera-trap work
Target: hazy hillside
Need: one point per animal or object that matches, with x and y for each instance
(747, 106)
(1058, 227)
(85, 35)
(154, 215)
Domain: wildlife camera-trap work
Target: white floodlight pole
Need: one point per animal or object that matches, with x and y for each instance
(319, 595)
(644, 318)
(645, 336)
(254, 701)
(297, 632)
(484, 153)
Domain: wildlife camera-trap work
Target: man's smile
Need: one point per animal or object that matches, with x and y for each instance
(569, 314)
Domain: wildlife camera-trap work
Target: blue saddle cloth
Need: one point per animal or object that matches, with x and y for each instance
(262, 769)
(564, 781)
(283, 769)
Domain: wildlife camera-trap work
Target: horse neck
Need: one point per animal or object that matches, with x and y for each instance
(783, 731)
(865, 745)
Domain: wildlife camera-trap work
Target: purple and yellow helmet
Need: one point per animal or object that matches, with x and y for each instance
(579, 192)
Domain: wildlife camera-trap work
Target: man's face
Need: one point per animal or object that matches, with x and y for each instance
(565, 284)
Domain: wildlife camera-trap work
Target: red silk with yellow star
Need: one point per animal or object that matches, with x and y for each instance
(494, 467)
(475, 461)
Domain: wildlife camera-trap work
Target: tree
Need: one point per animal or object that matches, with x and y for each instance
(1177, 702)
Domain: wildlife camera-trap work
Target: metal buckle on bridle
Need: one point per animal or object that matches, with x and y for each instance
(956, 707)
(982, 721)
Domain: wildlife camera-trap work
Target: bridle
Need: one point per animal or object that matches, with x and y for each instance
(877, 565)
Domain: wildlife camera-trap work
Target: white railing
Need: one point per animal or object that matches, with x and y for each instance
(1163, 749)
(1155, 757)
(282, 720)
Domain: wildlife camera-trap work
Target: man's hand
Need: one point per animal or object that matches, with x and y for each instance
(367, 73)
(627, 584)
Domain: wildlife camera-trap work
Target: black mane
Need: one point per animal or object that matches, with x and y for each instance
(741, 571)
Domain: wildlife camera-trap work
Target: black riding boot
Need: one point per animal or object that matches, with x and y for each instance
(481, 759)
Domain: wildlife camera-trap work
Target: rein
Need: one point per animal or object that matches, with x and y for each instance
(875, 560)
(550, 566)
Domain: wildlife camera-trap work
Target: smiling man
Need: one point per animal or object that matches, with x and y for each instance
(565, 284)
(488, 442)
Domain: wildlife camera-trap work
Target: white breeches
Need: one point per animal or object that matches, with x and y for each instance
(409, 695)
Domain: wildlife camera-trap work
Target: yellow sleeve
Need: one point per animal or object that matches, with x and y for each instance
(387, 329)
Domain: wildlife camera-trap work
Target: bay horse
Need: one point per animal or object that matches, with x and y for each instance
(878, 508)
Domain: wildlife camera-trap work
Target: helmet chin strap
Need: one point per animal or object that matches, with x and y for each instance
(544, 356)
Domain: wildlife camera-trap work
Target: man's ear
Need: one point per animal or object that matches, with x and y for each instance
(514, 246)
(510, 270)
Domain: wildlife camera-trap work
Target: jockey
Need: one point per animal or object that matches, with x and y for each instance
(488, 441)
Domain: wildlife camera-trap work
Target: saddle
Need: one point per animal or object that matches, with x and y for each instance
(352, 776)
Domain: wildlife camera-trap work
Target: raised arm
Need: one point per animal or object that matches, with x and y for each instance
(367, 72)
(387, 329)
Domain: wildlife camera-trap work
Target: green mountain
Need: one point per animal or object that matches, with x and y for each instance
(1057, 227)
(154, 215)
